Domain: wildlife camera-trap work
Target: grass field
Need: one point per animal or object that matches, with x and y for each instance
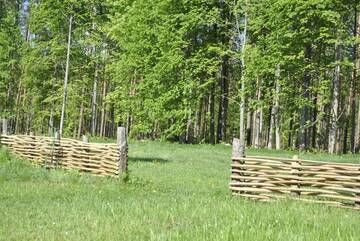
(175, 192)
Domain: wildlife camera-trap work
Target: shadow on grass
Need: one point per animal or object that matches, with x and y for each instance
(148, 159)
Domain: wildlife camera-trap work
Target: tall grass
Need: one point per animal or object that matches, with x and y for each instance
(175, 192)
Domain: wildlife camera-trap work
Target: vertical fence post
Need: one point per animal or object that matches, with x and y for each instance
(123, 149)
(236, 153)
(56, 149)
(295, 165)
(236, 148)
(4, 127)
(357, 203)
(85, 139)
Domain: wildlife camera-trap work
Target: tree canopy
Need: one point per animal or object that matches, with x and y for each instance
(279, 73)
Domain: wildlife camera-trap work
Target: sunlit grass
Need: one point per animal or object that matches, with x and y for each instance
(175, 192)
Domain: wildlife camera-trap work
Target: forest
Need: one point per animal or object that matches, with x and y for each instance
(278, 74)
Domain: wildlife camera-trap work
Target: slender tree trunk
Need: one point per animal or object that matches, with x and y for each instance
(277, 109)
(290, 133)
(81, 116)
(350, 119)
(248, 128)
(242, 103)
(93, 104)
(356, 77)
(275, 114)
(257, 118)
(303, 139)
(223, 104)
(51, 121)
(314, 120)
(103, 110)
(271, 129)
(17, 107)
(335, 102)
(188, 128)
(66, 78)
(198, 122)
(212, 114)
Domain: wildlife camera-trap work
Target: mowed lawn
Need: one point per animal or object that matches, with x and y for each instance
(174, 192)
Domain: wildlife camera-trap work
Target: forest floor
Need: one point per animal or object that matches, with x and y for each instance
(175, 192)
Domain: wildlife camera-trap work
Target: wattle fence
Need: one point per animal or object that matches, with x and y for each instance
(270, 178)
(92, 158)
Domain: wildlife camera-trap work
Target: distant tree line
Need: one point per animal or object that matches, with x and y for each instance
(280, 74)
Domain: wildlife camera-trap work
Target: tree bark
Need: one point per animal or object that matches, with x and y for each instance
(335, 102)
(223, 104)
(248, 128)
(257, 118)
(356, 77)
(271, 129)
(212, 114)
(303, 138)
(103, 110)
(277, 109)
(94, 102)
(81, 116)
(66, 78)
(242, 93)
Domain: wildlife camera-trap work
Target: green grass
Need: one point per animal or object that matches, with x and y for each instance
(175, 192)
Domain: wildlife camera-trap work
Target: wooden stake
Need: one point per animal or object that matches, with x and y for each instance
(85, 139)
(123, 149)
(4, 127)
(236, 148)
(357, 204)
(295, 171)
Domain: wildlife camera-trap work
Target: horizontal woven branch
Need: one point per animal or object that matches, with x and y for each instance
(269, 178)
(93, 158)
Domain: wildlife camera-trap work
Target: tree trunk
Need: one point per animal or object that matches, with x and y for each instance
(248, 128)
(242, 93)
(51, 121)
(335, 102)
(314, 120)
(303, 139)
(257, 118)
(212, 114)
(356, 77)
(197, 129)
(93, 104)
(103, 110)
(66, 78)
(223, 105)
(81, 116)
(277, 108)
(188, 128)
(275, 114)
(271, 129)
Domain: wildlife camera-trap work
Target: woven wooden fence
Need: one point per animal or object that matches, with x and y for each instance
(270, 178)
(93, 158)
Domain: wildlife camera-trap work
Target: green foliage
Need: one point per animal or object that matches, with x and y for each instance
(172, 69)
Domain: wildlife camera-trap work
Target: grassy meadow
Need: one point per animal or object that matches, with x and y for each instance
(174, 192)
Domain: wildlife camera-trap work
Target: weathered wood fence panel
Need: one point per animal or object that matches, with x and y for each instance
(96, 159)
(269, 178)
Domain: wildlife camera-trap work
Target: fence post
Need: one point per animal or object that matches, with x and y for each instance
(236, 171)
(4, 127)
(85, 139)
(295, 164)
(123, 149)
(236, 148)
(357, 203)
(55, 155)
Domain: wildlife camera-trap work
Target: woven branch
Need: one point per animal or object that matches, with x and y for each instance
(93, 158)
(268, 178)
